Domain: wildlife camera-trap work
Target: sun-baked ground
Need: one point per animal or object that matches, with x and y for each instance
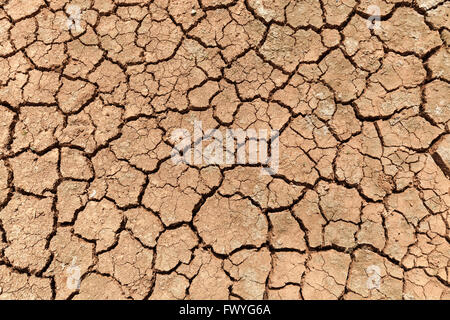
(91, 91)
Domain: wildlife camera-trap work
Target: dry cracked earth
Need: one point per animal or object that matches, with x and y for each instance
(359, 208)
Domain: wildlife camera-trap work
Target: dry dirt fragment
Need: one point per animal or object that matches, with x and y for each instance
(253, 76)
(174, 246)
(289, 292)
(339, 203)
(99, 221)
(365, 49)
(409, 204)
(249, 269)
(409, 130)
(71, 197)
(389, 284)
(174, 191)
(326, 275)
(287, 48)
(35, 174)
(377, 102)
(75, 165)
(4, 176)
(38, 128)
(288, 267)
(269, 9)
(107, 76)
(304, 13)
(431, 250)
(17, 286)
(20, 8)
(74, 94)
(372, 230)
(400, 235)
(123, 182)
(286, 232)
(141, 144)
(159, 37)
(443, 154)
(439, 64)
(211, 281)
(308, 211)
(420, 286)
(406, 31)
(7, 118)
(144, 225)
(130, 264)
(68, 250)
(266, 191)
(337, 11)
(342, 77)
(169, 287)
(230, 223)
(94, 126)
(234, 30)
(41, 87)
(437, 95)
(98, 287)
(341, 234)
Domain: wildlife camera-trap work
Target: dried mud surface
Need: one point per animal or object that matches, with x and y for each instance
(86, 179)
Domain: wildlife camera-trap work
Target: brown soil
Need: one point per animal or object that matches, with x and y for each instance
(87, 109)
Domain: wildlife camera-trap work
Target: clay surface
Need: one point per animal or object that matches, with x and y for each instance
(93, 207)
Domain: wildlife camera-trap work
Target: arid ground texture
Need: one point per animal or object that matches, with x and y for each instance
(92, 205)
